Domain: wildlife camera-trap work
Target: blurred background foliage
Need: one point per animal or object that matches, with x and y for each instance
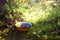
(45, 15)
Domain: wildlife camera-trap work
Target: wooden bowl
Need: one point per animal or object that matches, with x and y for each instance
(22, 29)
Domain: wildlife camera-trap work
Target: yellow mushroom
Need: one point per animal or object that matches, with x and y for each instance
(18, 24)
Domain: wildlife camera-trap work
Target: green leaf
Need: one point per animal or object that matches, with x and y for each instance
(58, 22)
(7, 7)
(45, 36)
